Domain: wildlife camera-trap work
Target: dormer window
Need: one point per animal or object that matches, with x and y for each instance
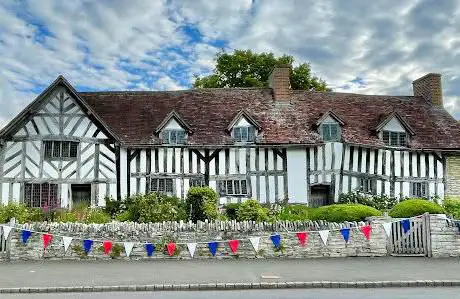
(394, 138)
(173, 129)
(244, 134)
(394, 131)
(173, 136)
(329, 127)
(243, 128)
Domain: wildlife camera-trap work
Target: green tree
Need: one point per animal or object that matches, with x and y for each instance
(243, 68)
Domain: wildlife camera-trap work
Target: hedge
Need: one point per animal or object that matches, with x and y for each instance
(415, 207)
(452, 206)
(343, 212)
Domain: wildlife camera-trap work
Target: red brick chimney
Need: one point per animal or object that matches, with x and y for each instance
(429, 87)
(280, 83)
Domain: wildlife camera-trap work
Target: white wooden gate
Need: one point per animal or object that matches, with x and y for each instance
(415, 242)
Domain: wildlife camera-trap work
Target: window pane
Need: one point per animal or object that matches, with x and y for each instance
(73, 149)
(238, 134)
(48, 149)
(180, 137)
(334, 131)
(326, 132)
(244, 189)
(56, 149)
(28, 195)
(169, 185)
(251, 134)
(386, 137)
(394, 138)
(229, 187)
(237, 187)
(154, 185)
(65, 149)
(402, 139)
(161, 185)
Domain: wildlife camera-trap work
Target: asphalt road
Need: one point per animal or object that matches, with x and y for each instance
(109, 273)
(397, 293)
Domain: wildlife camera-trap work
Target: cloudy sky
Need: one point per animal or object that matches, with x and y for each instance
(374, 47)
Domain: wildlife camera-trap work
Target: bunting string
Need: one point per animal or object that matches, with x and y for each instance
(302, 236)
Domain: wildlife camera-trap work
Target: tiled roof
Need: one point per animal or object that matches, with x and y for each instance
(134, 116)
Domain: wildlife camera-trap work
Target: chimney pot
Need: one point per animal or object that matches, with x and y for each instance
(429, 87)
(280, 82)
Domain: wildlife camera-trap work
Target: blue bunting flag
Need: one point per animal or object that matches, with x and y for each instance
(213, 247)
(276, 239)
(25, 235)
(87, 244)
(345, 233)
(150, 248)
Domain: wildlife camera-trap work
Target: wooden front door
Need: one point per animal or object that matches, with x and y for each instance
(81, 194)
(319, 196)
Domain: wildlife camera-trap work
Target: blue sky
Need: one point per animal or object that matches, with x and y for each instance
(160, 45)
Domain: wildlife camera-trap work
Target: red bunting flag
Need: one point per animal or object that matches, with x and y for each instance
(366, 230)
(107, 247)
(233, 245)
(171, 248)
(47, 238)
(303, 238)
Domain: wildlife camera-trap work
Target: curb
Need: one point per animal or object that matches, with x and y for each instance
(237, 286)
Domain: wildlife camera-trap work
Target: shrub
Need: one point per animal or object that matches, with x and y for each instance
(155, 207)
(452, 207)
(295, 213)
(343, 212)
(251, 210)
(66, 216)
(14, 210)
(113, 207)
(230, 210)
(415, 207)
(97, 216)
(380, 202)
(201, 203)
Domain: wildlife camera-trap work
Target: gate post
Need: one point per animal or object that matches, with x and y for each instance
(427, 235)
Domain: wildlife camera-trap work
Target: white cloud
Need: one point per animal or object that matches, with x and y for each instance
(144, 45)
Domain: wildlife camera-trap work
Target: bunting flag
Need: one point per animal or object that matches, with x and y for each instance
(324, 234)
(87, 244)
(6, 231)
(276, 239)
(171, 248)
(47, 238)
(25, 235)
(366, 230)
(255, 242)
(387, 228)
(107, 247)
(303, 238)
(405, 225)
(191, 248)
(66, 241)
(213, 247)
(128, 248)
(233, 244)
(345, 233)
(149, 248)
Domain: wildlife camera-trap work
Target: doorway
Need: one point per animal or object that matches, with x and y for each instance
(320, 195)
(81, 195)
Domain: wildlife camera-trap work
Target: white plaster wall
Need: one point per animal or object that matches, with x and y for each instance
(297, 181)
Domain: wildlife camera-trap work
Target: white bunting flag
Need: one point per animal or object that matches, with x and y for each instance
(67, 241)
(128, 247)
(255, 242)
(387, 228)
(324, 234)
(6, 231)
(191, 248)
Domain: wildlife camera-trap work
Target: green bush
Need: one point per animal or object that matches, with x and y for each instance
(124, 216)
(14, 210)
(201, 203)
(295, 213)
(415, 207)
(155, 207)
(452, 207)
(251, 210)
(97, 216)
(230, 210)
(66, 216)
(343, 212)
(380, 202)
(113, 207)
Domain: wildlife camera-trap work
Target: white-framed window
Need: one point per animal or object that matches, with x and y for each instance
(60, 149)
(197, 182)
(418, 189)
(368, 185)
(41, 195)
(173, 136)
(330, 131)
(162, 185)
(244, 134)
(234, 187)
(392, 138)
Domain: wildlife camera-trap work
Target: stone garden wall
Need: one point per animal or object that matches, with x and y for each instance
(182, 233)
(445, 237)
